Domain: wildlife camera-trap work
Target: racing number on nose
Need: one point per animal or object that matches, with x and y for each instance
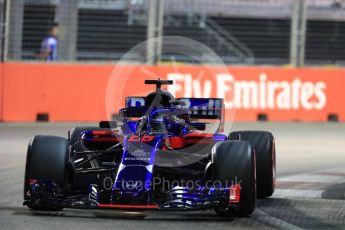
(143, 138)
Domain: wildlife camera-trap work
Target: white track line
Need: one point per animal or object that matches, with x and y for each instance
(296, 193)
(305, 185)
(313, 178)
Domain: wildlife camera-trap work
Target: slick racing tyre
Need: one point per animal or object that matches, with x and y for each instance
(234, 162)
(74, 137)
(82, 181)
(263, 144)
(47, 159)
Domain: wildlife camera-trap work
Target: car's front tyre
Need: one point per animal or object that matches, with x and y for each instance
(47, 159)
(234, 162)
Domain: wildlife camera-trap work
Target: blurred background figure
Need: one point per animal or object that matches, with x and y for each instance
(240, 32)
(49, 46)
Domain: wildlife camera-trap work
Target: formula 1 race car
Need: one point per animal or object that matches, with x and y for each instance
(156, 156)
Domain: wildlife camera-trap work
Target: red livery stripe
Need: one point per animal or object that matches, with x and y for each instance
(128, 206)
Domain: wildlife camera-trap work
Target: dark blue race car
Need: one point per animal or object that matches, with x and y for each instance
(156, 156)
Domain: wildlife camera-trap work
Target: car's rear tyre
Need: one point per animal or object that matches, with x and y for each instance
(81, 182)
(74, 137)
(47, 159)
(263, 143)
(234, 162)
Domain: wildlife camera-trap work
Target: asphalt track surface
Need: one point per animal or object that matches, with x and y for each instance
(310, 188)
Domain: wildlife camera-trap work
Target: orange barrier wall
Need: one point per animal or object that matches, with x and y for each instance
(80, 92)
(1, 90)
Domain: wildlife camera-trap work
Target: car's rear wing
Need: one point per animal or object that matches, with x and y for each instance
(200, 108)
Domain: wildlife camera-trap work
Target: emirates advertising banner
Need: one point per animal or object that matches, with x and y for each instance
(281, 94)
(90, 92)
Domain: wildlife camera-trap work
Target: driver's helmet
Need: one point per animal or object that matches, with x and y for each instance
(164, 124)
(158, 124)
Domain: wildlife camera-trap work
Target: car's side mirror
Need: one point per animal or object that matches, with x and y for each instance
(108, 124)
